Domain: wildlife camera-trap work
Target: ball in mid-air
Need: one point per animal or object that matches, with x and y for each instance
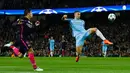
(111, 17)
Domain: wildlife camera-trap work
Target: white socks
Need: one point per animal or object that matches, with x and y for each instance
(77, 54)
(25, 54)
(51, 53)
(104, 54)
(99, 34)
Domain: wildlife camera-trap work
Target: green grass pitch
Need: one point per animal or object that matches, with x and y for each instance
(66, 65)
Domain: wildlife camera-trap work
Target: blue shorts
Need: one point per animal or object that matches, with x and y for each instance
(51, 48)
(81, 37)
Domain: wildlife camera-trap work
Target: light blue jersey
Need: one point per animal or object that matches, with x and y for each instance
(78, 31)
(52, 43)
(77, 26)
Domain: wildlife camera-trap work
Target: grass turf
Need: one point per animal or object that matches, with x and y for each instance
(66, 65)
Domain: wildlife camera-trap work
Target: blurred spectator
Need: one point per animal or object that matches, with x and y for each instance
(20, 4)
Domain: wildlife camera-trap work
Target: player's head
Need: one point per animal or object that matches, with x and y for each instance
(51, 37)
(28, 13)
(77, 14)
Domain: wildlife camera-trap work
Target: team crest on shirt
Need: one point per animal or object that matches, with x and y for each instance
(20, 21)
(29, 24)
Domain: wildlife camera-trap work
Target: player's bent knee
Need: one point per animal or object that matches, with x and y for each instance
(30, 50)
(93, 30)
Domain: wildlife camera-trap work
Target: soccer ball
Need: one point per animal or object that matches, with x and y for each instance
(111, 17)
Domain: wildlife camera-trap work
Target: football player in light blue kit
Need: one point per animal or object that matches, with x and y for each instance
(78, 31)
(52, 45)
(104, 49)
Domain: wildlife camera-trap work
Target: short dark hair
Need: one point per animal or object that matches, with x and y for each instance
(76, 12)
(26, 11)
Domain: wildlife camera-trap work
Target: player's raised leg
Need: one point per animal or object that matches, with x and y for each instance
(99, 34)
(15, 49)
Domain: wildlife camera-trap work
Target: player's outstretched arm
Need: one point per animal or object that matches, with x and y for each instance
(64, 17)
(18, 22)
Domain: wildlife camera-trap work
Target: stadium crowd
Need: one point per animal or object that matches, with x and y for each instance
(117, 32)
(20, 4)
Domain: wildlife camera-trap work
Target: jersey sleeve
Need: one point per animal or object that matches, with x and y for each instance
(18, 22)
(68, 19)
(32, 27)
